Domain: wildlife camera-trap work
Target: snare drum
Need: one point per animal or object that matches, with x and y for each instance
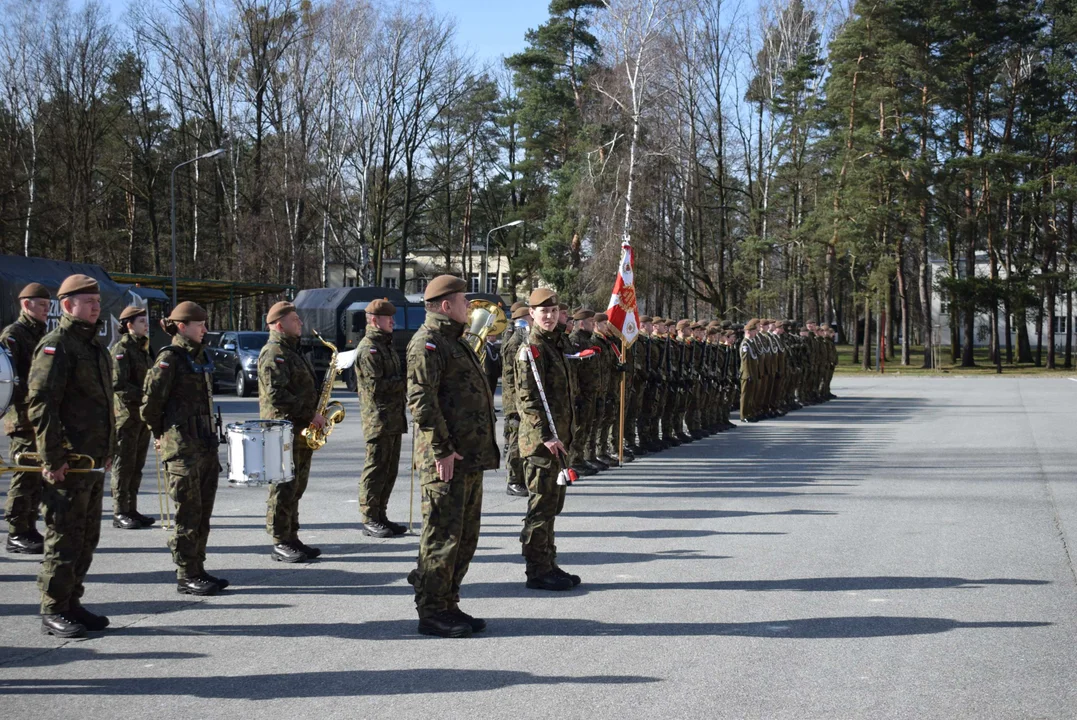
(7, 380)
(260, 453)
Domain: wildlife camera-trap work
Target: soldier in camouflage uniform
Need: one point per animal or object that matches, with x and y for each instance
(588, 374)
(544, 439)
(382, 389)
(650, 404)
(521, 323)
(24, 495)
(453, 408)
(131, 359)
(70, 407)
(749, 372)
(177, 404)
(636, 384)
(288, 390)
(666, 389)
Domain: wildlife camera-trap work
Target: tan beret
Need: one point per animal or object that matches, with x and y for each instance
(542, 297)
(583, 314)
(697, 325)
(683, 324)
(601, 317)
(382, 307)
(34, 290)
(443, 286)
(279, 311)
(78, 285)
(645, 319)
(712, 330)
(517, 305)
(131, 312)
(751, 324)
(188, 311)
(521, 312)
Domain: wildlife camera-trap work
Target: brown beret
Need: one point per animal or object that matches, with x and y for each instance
(583, 314)
(34, 290)
(751, 324)
(521, 312)
(542, 297)
(188, 311)
(381, 306)
(563, 307)
(131, 312)
(517, 305)
(279, 311)
(697, 325)
(78, 285)
(443, 286)
(645, 319)
(683, 324)
(712, 330)
(601, 317)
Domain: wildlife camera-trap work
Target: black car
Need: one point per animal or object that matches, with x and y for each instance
(235, 355)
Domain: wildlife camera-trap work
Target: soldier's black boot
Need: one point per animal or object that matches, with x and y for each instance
(445, 624)
(35, 535)
(574, 579)
(219, 582)
(599, 463)
(477, 624)
(62, 625)
(146, 520)
(91, 621)
(374, 529)
(516, 490)
(25, 544)
(550, 581)
(313, 552)
(289, 553)
(126, 522)
(197, 586)
(396, 528)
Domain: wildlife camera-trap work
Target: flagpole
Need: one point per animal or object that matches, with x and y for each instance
(624, 378)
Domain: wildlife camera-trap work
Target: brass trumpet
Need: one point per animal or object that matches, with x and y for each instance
(77, 463)
(484, 318)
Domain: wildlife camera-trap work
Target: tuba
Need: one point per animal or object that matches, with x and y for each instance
(484, 318)
(332, 411)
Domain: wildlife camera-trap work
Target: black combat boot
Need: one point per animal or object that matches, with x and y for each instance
(289, 553)
(574, 579)
(24, 544)
(376, 529)
(218, 581)
(63, 625)
(477, 624)
(146, 520)
(313, 552)
(550, 581)
(446, 624)
(124, 521)
(91, 621)
(197, 586)
(516, 490)
(396, 528)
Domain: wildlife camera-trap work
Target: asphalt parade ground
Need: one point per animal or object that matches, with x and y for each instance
(905, 551)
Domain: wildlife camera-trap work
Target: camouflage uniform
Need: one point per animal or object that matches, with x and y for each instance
(453, 408)
(70, 407)
(652, 398)
(636, 384)
(546, 498)
(131, 359)
(382, 388)
(513, 462)
(177, 404)
(605, 363)
(587, 377)
(287, 390)
(24, 495)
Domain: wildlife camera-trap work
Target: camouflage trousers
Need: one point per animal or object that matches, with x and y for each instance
(73, 527)
(132, 444)
(282, 508)
(746, 409)
(594, 442)
(379, 476)
(650, 415)
(24, 494)
(452, 516)
(691, 407)
(192, 485)
(545, 501)
(632, 411)
(668, 412)
(582, 437)
(513, 461)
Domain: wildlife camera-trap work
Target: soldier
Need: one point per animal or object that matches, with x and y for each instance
(547, 417)
(24, 495)
(521, 324)
(749, 372)
(670, 377)
(636, 383)
(588, 374)
(69, 404)
(131, 359)
(177, 404)
(382, 389)
(598, 452)
(288, 390)
(453, 408)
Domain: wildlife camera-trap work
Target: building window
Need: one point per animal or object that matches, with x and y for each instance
(491, 285)
(390, 282)
(1061, 324)
(506, 281)
(473, 286)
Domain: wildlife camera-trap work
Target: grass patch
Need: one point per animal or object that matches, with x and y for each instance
(984, 366)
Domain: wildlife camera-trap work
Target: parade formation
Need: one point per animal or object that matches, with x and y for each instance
(581, 393)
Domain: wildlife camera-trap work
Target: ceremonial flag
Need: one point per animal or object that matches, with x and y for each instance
(622, 312)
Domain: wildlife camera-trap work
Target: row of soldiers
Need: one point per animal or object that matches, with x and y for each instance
(784, 367)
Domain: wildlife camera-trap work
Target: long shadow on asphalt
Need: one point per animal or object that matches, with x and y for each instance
(336, 683)
(675, 514)
(35, 657)
(143, 607)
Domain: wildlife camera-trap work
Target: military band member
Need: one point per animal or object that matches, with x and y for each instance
(521, 325)
(382, 390)
(131, 360)
(451, 403)
(177, 404)
(70, 408)
(24, 494)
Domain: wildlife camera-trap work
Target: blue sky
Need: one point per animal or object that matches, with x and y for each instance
(492, 28)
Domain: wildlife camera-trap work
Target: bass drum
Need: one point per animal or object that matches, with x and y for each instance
(7, 380)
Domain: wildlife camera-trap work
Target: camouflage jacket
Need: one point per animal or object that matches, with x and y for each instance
(589, 372)
(20, 338)
(177, 400)
(508, 369)
(383, 385)
(131, 360)
(287, 387)
(547, 350)
(609, 379)
(70, 394)
(450, 399)
(637, 357)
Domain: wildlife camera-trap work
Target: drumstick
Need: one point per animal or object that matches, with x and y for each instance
(162, 497)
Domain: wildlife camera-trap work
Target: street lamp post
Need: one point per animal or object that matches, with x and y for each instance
(211, 154)
(486, 255)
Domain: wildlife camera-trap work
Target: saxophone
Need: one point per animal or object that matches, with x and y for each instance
(332, 411)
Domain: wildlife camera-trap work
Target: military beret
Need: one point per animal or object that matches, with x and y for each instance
(34, 290)
(517, 305)
(683, 324)
(443, 286)
(542, 297)
(131, 312)
(381, 306)
(188, 311)
(78, 285)
(658, 320)
(583, 314)
(601, 317)
(697, 325)
(751, 324)
(645, 319)
(279, 311)
(563, 306)
(712, 330)
(521, 312)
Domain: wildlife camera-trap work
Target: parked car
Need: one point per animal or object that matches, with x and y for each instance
(235, 355)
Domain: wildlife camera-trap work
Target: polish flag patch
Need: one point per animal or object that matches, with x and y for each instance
(120, 356)
(374, 351)
(49, 350)
(431, 346)
(280, 361)
(162, 364)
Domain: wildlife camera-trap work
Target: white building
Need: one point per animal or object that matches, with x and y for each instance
(424, 265)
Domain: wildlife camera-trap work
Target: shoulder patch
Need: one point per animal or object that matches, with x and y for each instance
(279, 360)
(373, 351)
(162, 364)
(119, 356)
(49, 350)
(12, 341)
(431, 346)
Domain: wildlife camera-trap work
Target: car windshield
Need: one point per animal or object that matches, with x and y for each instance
(253, 341)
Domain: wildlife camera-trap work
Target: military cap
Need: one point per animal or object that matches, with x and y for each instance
(278, 311)
(443, 286)
(188, 311)
(645, 319)
(751, 324)
(697, 325)
(683, 324)
(601, 317)
(131, 312)
(563, 306)
(517, 305)
(381, 306)
(521, 312)
(34, 290)
(542, 297)
(78, 285)
(583, 314)
(712, 330)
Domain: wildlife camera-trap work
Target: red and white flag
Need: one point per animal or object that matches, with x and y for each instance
(623, 313)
